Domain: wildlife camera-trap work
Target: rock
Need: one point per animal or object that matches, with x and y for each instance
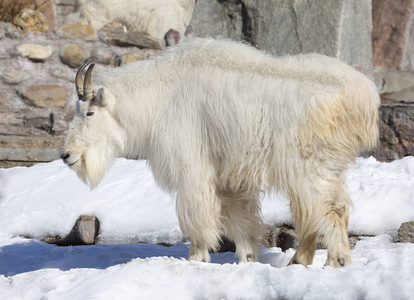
(285, 238)
(131, 57)
(28, 150)
(120, 34)
(292, 26)
(31, 20)
(43, 122)
(172, 37)
(84, 232)
(394, 85)
(392, 34)
(47, 9)
(45, 95)
(14, 76)
(76, 31)
(74, 55)
(406, 232)
(35, 52)
(396, 125)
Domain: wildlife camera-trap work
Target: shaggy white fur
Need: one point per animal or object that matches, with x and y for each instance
(155, 17)
(220, 122)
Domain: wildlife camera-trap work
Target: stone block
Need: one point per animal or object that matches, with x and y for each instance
(35, 52)
(76, 31)
(74, 55)
(15, 149)
(293, 26)
(396, 126)
(45, 95)
(393, 34)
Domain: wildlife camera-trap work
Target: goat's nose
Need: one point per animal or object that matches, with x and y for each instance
(65, 155)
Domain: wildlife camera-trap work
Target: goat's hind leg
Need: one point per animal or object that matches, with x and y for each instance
(334, 228)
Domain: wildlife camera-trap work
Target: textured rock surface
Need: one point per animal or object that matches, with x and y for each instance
(396, 132)
(406, 232)
(293, 26)
(393, 34)
(41, 95)
(84, 232)
(27, 150)
(32, 20)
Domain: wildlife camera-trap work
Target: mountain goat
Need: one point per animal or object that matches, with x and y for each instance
(221, 122)
(155, 17)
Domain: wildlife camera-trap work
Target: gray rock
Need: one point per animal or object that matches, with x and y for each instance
(292, 26)
(406, 232)
(84, 232)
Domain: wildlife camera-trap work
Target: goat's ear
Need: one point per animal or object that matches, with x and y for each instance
(100, 97)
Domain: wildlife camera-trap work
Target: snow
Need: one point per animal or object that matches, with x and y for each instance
(46, 199)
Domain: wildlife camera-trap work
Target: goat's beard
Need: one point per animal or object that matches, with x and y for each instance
(93, 167)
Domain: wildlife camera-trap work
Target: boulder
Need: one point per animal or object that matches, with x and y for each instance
(45, 95)
(292, 26)
(84, 232)
(74, 55)
(76, 31)
(31, 20)
(35, 52)
(120, 34)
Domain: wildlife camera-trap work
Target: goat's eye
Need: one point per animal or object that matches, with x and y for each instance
(90, 113)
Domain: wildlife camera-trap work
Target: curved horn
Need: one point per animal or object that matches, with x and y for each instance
(79, 81)
(87, 84)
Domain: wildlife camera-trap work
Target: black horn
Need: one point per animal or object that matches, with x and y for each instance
(79, 81)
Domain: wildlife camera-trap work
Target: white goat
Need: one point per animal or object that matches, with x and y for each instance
(155, 17)
(219, 122)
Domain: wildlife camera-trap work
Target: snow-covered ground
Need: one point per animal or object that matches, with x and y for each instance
(45, 200)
